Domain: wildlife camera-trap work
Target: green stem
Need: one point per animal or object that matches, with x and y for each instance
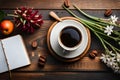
(12, 15)
(94, 18)
(95, 34)
(100, 32)
(91, 17)
(114, 48)
(107, 36)
(116, 32)
(101, 41)
(94, 26)
(102, 24)
(88, 24)
(80, 18)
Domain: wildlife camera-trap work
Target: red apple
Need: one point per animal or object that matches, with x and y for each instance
(6, 27)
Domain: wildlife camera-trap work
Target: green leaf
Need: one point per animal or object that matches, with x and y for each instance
(2, 14)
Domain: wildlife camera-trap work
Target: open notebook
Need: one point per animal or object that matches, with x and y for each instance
(15, 52)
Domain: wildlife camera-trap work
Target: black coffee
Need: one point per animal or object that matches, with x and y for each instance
(70, 36)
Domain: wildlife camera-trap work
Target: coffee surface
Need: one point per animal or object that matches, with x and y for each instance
(70, 36)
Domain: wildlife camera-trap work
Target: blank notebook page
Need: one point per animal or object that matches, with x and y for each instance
(15, 52)
(3, 64)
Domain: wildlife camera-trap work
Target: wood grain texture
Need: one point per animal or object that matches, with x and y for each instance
(56, 4)
(84, 69)
(53, 65)
(64, 13)
(62, 76)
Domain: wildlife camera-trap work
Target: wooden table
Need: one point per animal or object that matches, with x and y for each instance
(84, 69)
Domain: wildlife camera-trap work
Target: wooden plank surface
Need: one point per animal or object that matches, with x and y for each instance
(63, 13)
(84, 69)
(85, 64)
(62, 76)
(56, 4)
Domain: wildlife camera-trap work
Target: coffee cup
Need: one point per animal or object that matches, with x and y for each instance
(69, 38)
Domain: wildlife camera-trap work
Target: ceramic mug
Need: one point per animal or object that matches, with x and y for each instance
(69, 38)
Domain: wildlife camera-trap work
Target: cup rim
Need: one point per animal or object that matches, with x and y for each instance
(69, 48)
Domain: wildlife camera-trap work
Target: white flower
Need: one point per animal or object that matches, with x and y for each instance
(118, 57)
(114, 19)
(110, 61)
(115, 67)
(108, 30)
(104, 58)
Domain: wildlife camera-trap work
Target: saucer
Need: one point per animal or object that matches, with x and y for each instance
(52, 39)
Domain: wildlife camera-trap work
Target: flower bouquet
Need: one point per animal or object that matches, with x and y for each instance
(26, 19)
(105, 30)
